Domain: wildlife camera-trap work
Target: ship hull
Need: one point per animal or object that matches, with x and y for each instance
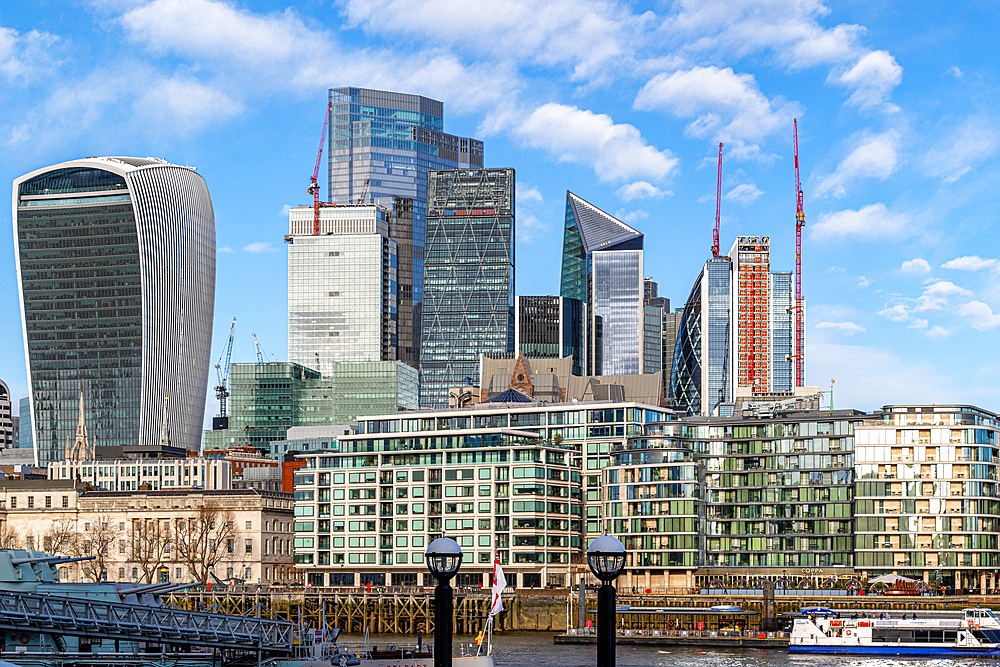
(951, 651)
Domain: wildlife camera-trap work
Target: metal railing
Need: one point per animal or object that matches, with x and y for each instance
(20, 612)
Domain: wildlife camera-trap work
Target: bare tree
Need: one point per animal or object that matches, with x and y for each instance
(148, 546)
(98, 542)
(205, 539)
(9, 535)
(59, 536)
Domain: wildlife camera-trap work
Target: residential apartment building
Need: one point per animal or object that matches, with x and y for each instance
(148, 536)
(494, 476)
(928, 504)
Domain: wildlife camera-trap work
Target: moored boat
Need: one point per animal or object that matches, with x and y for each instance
(975, 633)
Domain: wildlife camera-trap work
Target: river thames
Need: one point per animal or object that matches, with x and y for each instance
(535, 649)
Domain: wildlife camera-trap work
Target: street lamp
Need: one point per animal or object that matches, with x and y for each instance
(443, 557)
(606, 557)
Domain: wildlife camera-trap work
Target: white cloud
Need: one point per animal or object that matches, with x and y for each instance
(959, 151)
(935, 296)
(980, 315)
(868, 222)
(863, 282)
(725, 105)
(955, 72)
(588, 37)
(872, 80)
(642, 190)
(874, 157)
(25, 57)
(615, 151)
(916, 265)
(744, 193)
(259, 247)
(918, 323)
(185, 104)
(225, 250)
(788, 28)
(849, 328)
(897, 313)
(529, 228)
(524, 194)
(938, 332)
(283, 213)
(836, 269)
(631, 217)
(970, 263)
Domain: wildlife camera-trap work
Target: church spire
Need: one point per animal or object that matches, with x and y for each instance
(165, 426)
(80, 449)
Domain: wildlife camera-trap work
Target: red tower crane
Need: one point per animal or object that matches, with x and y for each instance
(313, 185)
(718, 207)
(800, 222)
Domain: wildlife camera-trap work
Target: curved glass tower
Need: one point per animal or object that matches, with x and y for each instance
(116, 274)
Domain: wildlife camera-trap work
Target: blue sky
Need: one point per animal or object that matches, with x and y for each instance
(623, 103)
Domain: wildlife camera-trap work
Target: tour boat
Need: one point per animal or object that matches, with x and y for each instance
(976, 633)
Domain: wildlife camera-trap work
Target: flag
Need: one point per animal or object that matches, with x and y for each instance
(499, 583)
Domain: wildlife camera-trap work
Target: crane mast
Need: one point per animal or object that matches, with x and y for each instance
(314, 184)
(718, 207)
(260, 353)
(221, 389)
(800, 222)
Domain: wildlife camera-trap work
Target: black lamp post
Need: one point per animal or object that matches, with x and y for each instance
(606, 557)
(443, 557)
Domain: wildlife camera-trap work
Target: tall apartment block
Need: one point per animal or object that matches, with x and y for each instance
(382, 145)
(116, 273)
(602, 267)
(469, 277)
(551, 327)
(341, 287)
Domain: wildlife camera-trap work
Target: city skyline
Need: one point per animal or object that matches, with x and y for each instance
(897, 142)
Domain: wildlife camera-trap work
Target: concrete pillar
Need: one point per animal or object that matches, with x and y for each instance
(689, 579)
(982, 581)
(927, 576)
(646, 581)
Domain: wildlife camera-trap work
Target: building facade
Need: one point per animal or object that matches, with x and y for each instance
(927, 503)
(382, 145)
(144, 536)
(341, 287)
(24, 424)
(602, 267)
(469, 277)
(8, 437)
(151, 475)
(116, 274)
(551, 327)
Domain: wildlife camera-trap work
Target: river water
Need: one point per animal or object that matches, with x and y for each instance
(536, 649)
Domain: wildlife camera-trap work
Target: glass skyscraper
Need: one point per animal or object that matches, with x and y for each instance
(469, 277)
(701, 373)
(382, 144)
(116, 272)
(782, 331)
(341, 287)
(602, 266)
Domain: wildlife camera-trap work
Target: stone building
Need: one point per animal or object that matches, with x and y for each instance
(176, 536)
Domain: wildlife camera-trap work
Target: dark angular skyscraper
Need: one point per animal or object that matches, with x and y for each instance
(468, 277)
(382, 144)
(551, 327)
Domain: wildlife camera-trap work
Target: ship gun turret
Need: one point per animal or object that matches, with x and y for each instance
(152, 590)
(49, 559)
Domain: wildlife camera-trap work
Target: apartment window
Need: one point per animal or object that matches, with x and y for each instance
(230, 548)
(31, 502)
(121, 546)
(13, 502)
(248, 547)
(65, 501)
(121, 573)
(177, 573)
(31, 542)
(86, 527)
(249, 525)
(48, 502)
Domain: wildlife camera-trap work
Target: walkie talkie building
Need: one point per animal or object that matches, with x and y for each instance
(116, 274)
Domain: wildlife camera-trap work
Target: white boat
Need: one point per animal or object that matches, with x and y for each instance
(976, 633)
